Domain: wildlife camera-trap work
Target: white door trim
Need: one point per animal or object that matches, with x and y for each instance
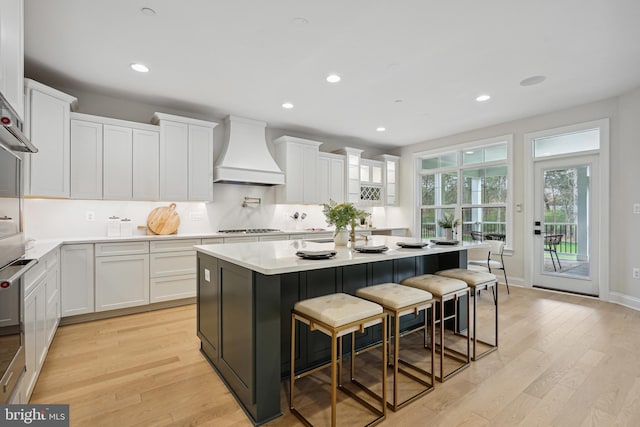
(603, 190)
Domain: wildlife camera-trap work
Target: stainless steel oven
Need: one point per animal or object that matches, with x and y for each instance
(12, 262)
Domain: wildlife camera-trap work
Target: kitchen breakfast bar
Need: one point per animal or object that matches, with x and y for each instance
(246, 292)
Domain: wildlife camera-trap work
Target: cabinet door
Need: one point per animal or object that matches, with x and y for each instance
(77, 287)
(200, 163)
(122, 281)
(174, 160)
(310, 174)
(12, 54)
(336, 180)
(34, 334)
(117, 162)
(86, 160)
(146, 165)
(49, 131)
(52, 291)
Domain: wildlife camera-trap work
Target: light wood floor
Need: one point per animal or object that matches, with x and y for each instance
(563, 361)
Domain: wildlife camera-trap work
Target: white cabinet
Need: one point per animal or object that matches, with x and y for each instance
(34, 333)
(12, 54)
(273, 237)
(200, 162)
(212, 240)
(41, 315)
(186, 158)
(117, 162)
(331, 173)
(298, 158)
(121, 280)
(77, 279)
(241, 239)
(146, 164)
(128, 156)
(390, 178)
(47, 127)
(371, 189)
(130, 162)
(352, 173)
(173, 269)
(86, 159)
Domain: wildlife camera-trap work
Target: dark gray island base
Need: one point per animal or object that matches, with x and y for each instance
(244, 318)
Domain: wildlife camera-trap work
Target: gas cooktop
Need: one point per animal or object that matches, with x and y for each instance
(251, 230)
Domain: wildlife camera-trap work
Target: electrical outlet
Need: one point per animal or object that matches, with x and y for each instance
(636, 208)
(90, 216)
(196, 216)
(636, 273)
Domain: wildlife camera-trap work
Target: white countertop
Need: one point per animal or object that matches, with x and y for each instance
(40, 247)
(280, 256)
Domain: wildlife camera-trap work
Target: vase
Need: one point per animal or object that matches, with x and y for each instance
(341, 237)
(448, 233)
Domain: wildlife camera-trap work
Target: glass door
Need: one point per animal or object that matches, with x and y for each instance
(566, 224)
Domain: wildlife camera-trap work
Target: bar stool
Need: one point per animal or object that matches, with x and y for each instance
(478, 281)
(444, 289)
(397, 301)
(337, 315)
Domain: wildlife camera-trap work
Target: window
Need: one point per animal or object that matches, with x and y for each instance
(472, 183)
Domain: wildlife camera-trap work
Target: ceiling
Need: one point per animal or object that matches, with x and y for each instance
(414, 67)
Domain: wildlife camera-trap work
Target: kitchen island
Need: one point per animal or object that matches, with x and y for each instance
(246, 292)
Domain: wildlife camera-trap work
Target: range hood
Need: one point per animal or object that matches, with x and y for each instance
(245, 157)
(10, 134)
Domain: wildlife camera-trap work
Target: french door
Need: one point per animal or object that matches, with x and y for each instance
(566, 224)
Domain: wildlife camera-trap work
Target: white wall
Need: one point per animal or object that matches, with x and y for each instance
(623, 112)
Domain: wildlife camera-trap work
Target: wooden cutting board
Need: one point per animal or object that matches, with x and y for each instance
(164, 220)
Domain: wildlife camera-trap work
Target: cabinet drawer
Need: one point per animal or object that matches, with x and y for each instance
(33, 277)
(173, 245)
(212, 240)
(170, 288)
(173, 263)
(122, 248)
(241, 239)
(273, 238)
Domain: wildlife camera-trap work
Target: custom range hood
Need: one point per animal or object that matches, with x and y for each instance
(245, 157)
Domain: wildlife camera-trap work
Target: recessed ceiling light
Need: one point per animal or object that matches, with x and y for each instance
(300, 21)
(141, 68)
(333, 78)
(381, 129)
(148, 11)
(533, 80)
(483, 98)
(287, 105)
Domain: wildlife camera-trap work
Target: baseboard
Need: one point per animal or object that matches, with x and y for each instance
(625, 300)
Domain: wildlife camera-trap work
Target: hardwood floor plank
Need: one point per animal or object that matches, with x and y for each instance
(563, 360)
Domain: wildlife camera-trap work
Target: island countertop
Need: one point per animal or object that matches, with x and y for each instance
(280, 257)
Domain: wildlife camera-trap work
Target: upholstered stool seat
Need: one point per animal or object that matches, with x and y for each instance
(337, 315)
(398, 301)
(444, 289)
(478, 281)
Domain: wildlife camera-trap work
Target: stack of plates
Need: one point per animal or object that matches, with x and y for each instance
(371, 249)
(412, 245)
(444, 242)
(316, 254)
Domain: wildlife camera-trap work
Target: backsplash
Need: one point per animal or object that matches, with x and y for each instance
(54, 218)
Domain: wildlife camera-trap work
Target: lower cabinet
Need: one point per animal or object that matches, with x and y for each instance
(173, 269)
(77, 281)
(122, 281)
(41, 316)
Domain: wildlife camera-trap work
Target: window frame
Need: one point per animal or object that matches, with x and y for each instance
(459, 168)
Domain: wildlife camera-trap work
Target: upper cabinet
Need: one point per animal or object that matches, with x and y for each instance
(390, 178)
(331, 168)
(12, 54)
(114, 159)
(186, 158)
(298, 158)
(46, 125)
(371, 182)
